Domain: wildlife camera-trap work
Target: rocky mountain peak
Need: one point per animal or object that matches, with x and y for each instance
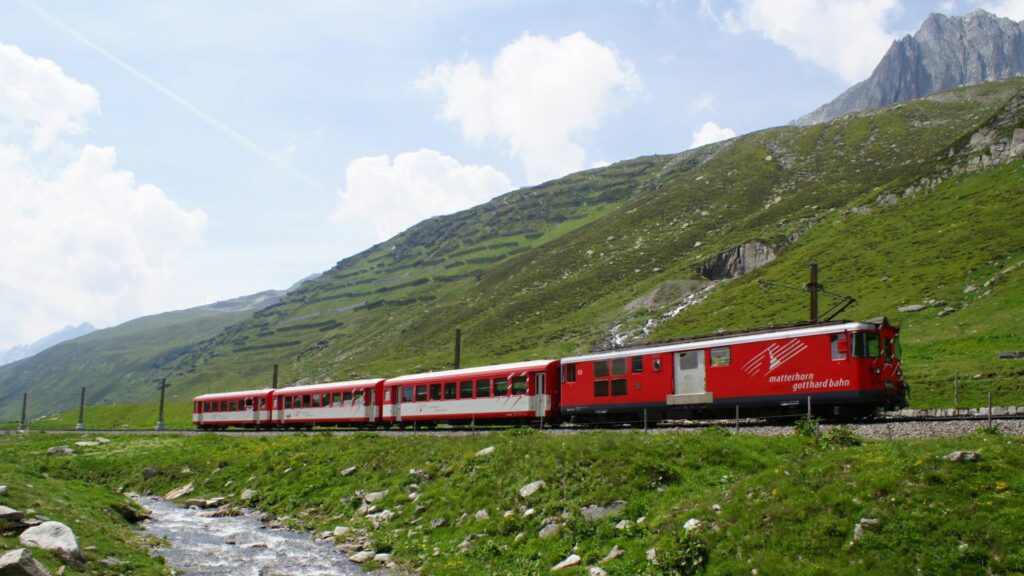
(946, 52)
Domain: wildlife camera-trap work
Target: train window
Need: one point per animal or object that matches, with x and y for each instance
(421, 393)
(483, 388)
(316, 401)
(408, 393)
(466, 389)
(346, 397)
(656, 364)
(618, 366)
(600, 387)
(233, 405)
(865, 345)
(897, 350)
(450, 390)
(638, 364)
(306, 401)
(720, 356)
(248, 403)
(619, 387)
(336, 400)
(600, 368)
(887, 347)
(387, 395)
(326, 399)
(837, 343)
(501, 386)
(435, 391)
(223, 405)
(206, 406)
(570, 372)
(263, 403)
(287, 402)
(519, 384)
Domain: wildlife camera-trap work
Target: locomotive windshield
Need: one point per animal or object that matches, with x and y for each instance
(866, 345)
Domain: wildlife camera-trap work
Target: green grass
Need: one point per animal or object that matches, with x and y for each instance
(785, 506)
(117, 416)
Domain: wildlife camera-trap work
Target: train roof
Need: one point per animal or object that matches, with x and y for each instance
(235, 394)
(732, 338)
(512, 367)
(332, 385)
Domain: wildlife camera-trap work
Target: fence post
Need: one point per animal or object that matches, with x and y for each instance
(24, 412)
(81, 412)
(990, 409)
(645, 419)
(160, 421)
(956, 389)
(737, 419)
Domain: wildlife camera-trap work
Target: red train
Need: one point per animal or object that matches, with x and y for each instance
(842, 369)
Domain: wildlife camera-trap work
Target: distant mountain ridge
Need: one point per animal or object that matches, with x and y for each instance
(946, 52)
(23, 351)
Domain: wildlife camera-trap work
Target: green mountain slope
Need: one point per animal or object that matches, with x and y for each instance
(910, 204)
(117, 365)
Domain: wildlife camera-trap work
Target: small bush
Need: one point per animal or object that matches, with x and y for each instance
(841, 437)
(806, 427)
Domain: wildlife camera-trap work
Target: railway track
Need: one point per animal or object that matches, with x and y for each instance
(880, 427)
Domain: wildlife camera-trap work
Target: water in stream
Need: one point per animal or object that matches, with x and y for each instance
(239, 546)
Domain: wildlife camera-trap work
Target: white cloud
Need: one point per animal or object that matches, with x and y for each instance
(711, 132)
(82, 240)
(536, 97)
(38, 99)
(393, 195)
(704, 103)
(847, 37)
(1013, 9)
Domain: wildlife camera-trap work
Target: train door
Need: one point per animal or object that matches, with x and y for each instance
(370, 404)
(252, 415)
(396, 408)
(688, 386)
(540, 399)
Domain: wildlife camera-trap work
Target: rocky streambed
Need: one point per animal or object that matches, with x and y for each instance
(238, 545)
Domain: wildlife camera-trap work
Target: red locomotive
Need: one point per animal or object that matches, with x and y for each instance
(839, 369)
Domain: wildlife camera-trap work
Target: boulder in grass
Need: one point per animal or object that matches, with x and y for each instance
(179, 492)
(962, 456)
(363, 556)
(10, 514)
(531, 488)
(55, 536)
(571, 560)
(21, 563)
(60, 451)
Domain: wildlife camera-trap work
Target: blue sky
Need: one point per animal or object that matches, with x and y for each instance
(162, 155)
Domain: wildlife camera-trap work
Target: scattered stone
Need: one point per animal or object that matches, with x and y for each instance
(519, 536)
(3, 490)
(361, 557)
(383, 558)
(60, 451)
(466, 543)
(593, 512)
(103, 440)
(571, 560)
(375, 496)
(179, 492)
(550, 530)
(247, 494)
(438, 522)
(55, 536)
(531, 488)
(641, 519)
(149, 472)
(194, 503)
(21, 563)
(86, 443)
(947, 311)
(186, 470)
(652, 555)
(214, 502)
(596, 571)
(970, 288)
(717, 508)
(860, 527)
(340, 531)
(623, 524)
(911, 308)
(419, 475)
(380, 518)
(508, 514)
(10, 514)
(130, 512)
(962, 456)
(529, 512)
(349, 471)
(692, 524)
(482, 514)
(485, 451)
(111, 561)
(614, 553)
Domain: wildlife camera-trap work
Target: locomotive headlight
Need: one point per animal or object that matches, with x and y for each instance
(899, 372)
(878, 371)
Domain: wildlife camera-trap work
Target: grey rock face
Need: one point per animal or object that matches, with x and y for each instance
(737, 261)
(945, 53)
(21, 563)
(54, 536)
